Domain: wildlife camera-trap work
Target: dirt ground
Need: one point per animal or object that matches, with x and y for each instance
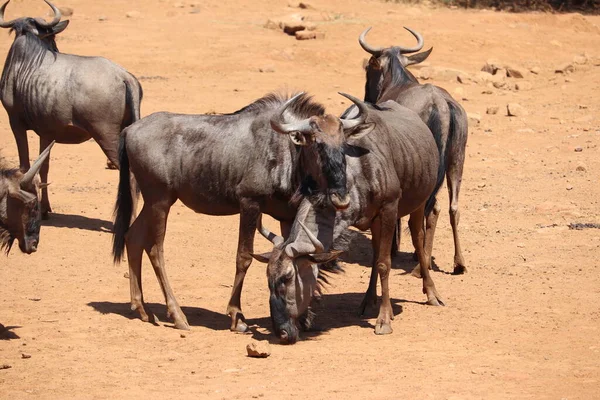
(522, 323)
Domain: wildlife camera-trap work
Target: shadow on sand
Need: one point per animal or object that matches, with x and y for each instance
(78, 222)
(7, 334)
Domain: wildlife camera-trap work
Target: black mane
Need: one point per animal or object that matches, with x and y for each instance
(304, 107)
(400, 76)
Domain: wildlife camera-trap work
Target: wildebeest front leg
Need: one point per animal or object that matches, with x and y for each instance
(387, 224)
(45, 203)
(418, 235)
(249, 212)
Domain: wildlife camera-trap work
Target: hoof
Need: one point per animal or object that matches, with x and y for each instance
(435, 301)
(416, 272)
(240, 327)
(383, 329)
(459, 270)
(110, 165)
(183, 325)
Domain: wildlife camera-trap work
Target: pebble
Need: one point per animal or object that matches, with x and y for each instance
(259, 349)
(578, 149)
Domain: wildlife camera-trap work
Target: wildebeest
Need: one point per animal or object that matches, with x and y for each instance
(221, 165)
(391, 172)
(20, 205)
(388, 79)
(62, 97)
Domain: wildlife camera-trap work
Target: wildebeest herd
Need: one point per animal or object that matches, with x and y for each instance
(317, 174)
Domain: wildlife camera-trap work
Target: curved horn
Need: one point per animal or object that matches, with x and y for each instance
(419, 46)
(4, 24)
(376, 51)
(270, 236)
(35, 168)
(57, 14)
(363, 111)
(278, 121)
(319, 248)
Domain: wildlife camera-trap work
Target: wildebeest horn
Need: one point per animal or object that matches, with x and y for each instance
(57, 14)
(270, 236)
(363, 111)
(35, 168)
(4, 24)
(319, 248)
(278, 121)
(376, 51)
(419, 45)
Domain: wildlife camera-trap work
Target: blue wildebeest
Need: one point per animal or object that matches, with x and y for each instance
(392, 172)
(62, 97)
(20, 205)
(388, 79)
(222, 165)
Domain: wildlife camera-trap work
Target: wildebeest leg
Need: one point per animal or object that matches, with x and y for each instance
(417, 232)
(249, 212)
(387, 223)
(454, 179)
(371, 293)
(45, 203)
(20, 134)
(397, 236)
(107, 137)
(430, 225)
(159, 211)
(136, 238)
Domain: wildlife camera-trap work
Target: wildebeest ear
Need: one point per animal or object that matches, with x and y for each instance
(58, 28)
(322, 258)
(263, 258)
(419, 57)
(298, 138)
(354, 134)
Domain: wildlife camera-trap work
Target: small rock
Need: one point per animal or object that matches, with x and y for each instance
(515, 110)
(304, 6)
(474, 118)
(25, 356)
(179, 5)
(490, 67)
(501, 72)
(580, 59)
(487, 92)
(513, 72)
(581, 168)
(133, 14)
(569, 187)
(524, 85)
(5, 366)
(308, 35)
(564, 68)
(493, 110)
(259, 349)
(103, 18)
(535, 70)
(195, 11)
(500, 85)
(126, 275)
(578, 149)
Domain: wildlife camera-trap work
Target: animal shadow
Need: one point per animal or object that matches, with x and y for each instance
(78, 222)
(7, 334)
(196, 316)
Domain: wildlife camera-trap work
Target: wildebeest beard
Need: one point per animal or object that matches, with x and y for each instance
(6, 239)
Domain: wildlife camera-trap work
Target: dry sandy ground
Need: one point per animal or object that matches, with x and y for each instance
(523, 323)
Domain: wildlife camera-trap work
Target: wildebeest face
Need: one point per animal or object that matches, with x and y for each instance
(323, 140)
(24, 218)
(292, 285)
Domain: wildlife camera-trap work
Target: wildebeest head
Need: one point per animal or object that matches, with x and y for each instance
(20, 215)
(323, 140)
(36, 26)
(387, 66)
(293, 280)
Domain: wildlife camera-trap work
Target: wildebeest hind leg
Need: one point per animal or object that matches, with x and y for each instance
(135, 239)
(371, 293)
(45, 203)
(249, 212)
(418, 235)
(454, 178)
(159, 212)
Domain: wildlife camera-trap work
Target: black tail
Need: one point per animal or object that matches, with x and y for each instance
(435, 125)
(133, 100)
(124, 206)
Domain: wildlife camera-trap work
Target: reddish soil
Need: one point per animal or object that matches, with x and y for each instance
(522, 323)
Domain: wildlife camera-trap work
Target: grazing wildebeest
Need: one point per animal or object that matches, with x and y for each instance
(62, 97)
(388, 79)
(392, 172)
(221, 165)
(20, 205)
